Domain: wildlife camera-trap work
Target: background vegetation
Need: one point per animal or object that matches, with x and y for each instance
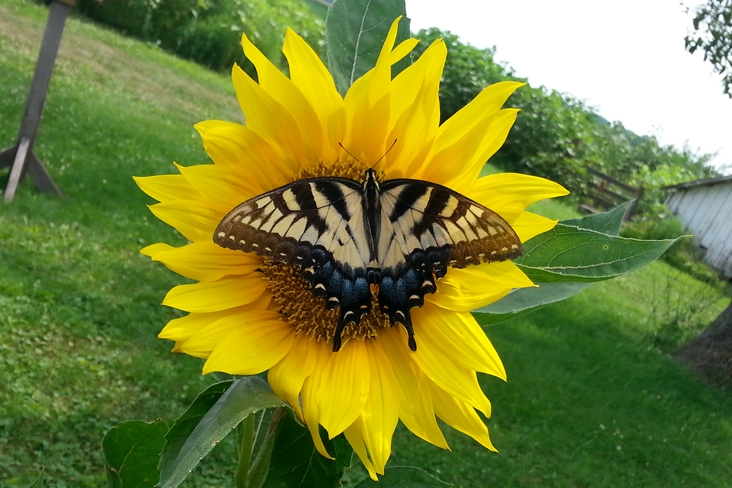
(713, 36)
(558, 136)
(209, 31)
(592, 398)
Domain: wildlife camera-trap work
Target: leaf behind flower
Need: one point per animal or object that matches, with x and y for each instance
(355, 32)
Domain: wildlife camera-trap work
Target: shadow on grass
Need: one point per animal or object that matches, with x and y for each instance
(587, 404)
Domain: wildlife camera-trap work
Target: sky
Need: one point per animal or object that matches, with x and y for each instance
(624, 58)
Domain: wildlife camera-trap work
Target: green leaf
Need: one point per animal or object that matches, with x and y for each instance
(38, 482)
(260, 465)
(244, 397)
(131, 451)
(187, 423)
(295, 463)
(607, 222)
(525, 300)
(404, 477)
(568, 253)
(355, 30)
(343, 451)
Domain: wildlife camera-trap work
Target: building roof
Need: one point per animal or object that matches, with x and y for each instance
(704, 182)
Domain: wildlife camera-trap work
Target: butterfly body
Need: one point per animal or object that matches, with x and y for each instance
(400, 235)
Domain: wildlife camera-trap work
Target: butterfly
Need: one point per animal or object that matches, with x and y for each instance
(400, 235)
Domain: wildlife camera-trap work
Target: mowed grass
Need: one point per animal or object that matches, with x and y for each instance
(591, 399)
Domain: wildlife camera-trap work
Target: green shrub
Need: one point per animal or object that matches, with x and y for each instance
(558, 136)
(209, 31)
(131, 17)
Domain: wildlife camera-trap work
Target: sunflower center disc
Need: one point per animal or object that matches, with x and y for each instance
(293, 294)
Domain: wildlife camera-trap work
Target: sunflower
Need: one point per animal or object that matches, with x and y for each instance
(247, 314)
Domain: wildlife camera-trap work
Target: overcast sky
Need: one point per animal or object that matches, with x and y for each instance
(625, 58)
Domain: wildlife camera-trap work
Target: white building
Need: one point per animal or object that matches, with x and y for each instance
(705, 208)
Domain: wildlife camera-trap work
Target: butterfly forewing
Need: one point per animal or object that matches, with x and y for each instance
(431, 215)
(286, 224)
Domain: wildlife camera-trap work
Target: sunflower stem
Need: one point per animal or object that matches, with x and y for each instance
(245, 438)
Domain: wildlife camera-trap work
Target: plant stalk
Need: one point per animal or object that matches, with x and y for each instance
(245, 438)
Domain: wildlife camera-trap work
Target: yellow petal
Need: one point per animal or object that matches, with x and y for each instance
(181, 329)
(251, 349)
(367, 107)
(269, 120)
(205, 340)
(415, 408)
(165, 188)
(528, 225)
(216, 295)
(485, 105)
(238, 148)
(415, 112)
(509, 193)
(287, 94)
(204, 260)
(458, 165)
(315, 82)
(194, 219)
(220, 187)
(309, 394)
(460, 416)
(344, 387)
(439, 365)
(467, 139)
(381, 410)
(288, 376)
(459, 336)
(403, 48)
(467, 289)
(355, 439)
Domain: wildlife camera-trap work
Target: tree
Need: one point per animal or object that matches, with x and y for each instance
(713, 35)
(710, 353)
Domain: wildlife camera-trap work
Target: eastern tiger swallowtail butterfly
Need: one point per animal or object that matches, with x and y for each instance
(346, 235)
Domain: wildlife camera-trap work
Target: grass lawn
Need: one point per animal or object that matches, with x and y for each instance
(592, 399)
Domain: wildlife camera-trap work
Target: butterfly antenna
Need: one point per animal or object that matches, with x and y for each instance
(387, 152)
(377, 162)
(354, 157)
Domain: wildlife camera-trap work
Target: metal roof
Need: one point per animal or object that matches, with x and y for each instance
(705, 182)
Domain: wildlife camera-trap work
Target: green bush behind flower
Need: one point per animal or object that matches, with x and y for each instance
(209, 31)
(558, 136)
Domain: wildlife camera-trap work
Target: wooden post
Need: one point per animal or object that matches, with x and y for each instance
(20, 157)
(633, 204)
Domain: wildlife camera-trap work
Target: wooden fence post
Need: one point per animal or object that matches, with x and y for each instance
(20, 158)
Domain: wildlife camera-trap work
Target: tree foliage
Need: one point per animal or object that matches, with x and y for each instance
(558, 136)
(713, 35)
(209, 31)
